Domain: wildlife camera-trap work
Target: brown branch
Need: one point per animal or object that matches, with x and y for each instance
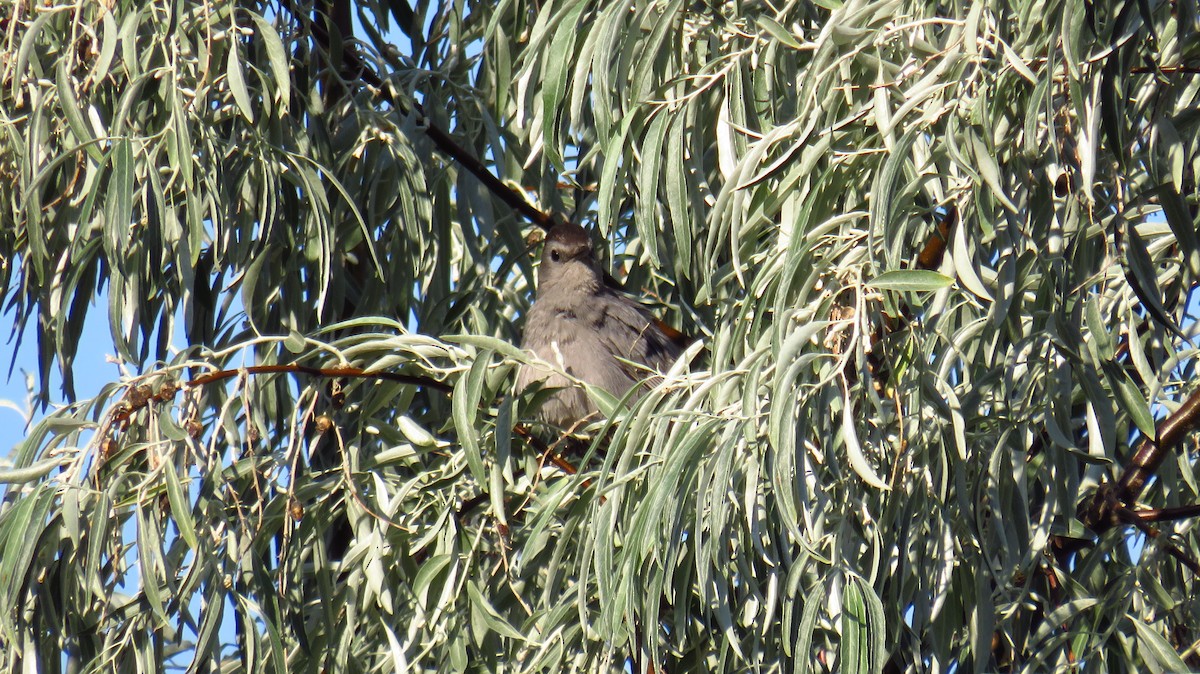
(1166, 70)
(342, 371)
(441, 139)
(141, 396)
(1150, 454)
(1167, 514)
(548, 452)
(934, 250)
(1097, 512)
(1131, 517)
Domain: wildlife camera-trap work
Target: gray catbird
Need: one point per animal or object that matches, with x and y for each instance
(587, 329)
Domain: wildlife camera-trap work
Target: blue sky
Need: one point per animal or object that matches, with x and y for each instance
(92, 371)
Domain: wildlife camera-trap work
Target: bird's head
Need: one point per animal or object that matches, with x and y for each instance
(568, 262)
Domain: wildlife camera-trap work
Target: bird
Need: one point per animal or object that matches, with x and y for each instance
(584, 327)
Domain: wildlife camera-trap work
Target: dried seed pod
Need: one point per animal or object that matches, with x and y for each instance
(295, 508)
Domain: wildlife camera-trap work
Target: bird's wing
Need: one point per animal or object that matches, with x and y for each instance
(635, 336)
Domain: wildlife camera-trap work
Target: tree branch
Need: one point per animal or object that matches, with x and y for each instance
(441, 139)
(1098, 512)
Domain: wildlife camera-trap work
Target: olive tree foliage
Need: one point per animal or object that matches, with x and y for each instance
(935, 256)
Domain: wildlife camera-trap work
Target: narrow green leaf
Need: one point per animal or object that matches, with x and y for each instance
(884, 188)
(236, 80)
(295, 342)
(1131, 398)
(31, 472)
(854, 452)
(181, 506)
(108, 47)
(558, 65)
(1098, 329)
(876, 629)
(777, 31)
(28, 43)
(97, 534)
(119, 207)
(611, 186)
(854, 654)
(913, 280)
(415, 433)
(989, 170)
(1167, 142)
(1156, 648)
(465, 401)
(421, 584)
(501, 463)
(964, 262)
(485, 342)
(150, 561)
(677, 188)
(21, 526)
(1143, 280)
(813, 603)
(277, 58)
(207, 642)
(74, 114)
(649, 174)
(489, 615)
(648, 60)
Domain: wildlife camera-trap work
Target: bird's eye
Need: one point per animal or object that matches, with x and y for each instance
(554, 255)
